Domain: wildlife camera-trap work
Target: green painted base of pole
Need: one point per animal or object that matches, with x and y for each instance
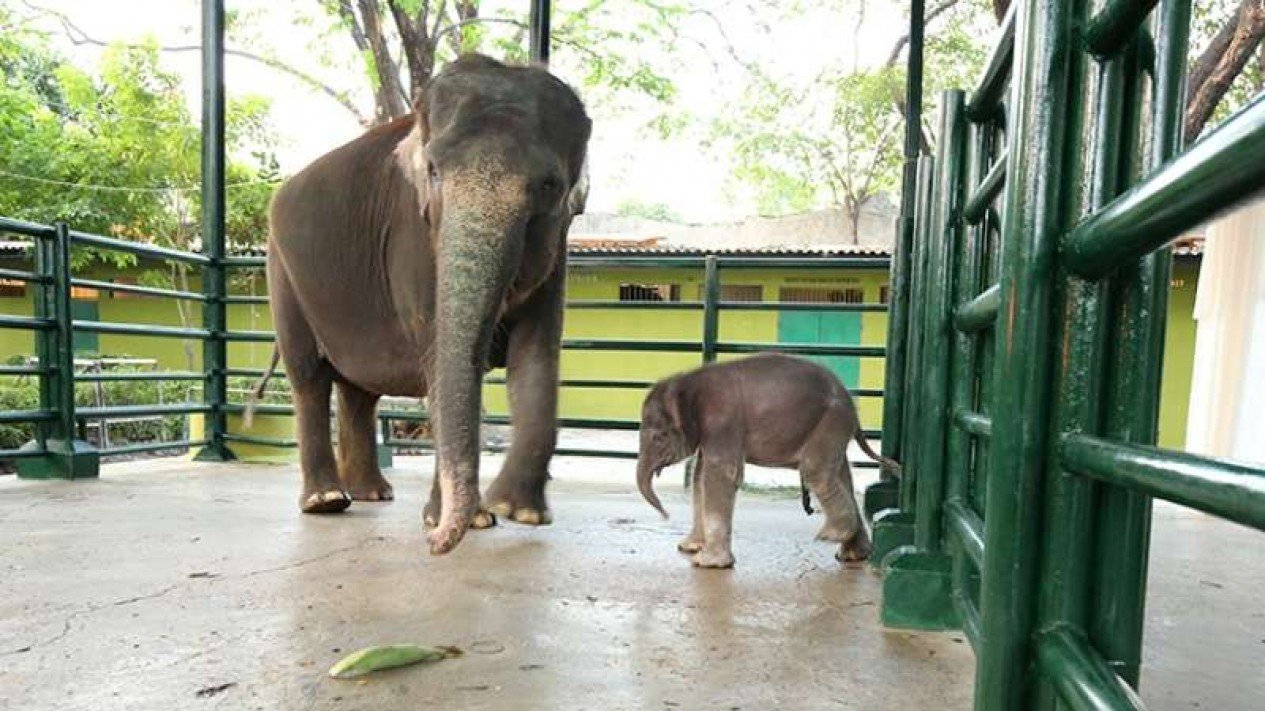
(215, 452)
(918, 591)
(386, 456)
(893, 529)
(882, 495)
(65, 460)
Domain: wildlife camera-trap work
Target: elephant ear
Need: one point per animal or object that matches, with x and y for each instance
(578, 198)
(677, 403)
(410, 154)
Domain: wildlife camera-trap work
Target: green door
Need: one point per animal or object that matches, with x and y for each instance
(85, 343)
(823, 327)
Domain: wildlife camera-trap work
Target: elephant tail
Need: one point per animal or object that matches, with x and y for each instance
(888, 465)
(257, 393)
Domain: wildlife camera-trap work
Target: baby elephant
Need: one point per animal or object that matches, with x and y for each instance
(771, 410)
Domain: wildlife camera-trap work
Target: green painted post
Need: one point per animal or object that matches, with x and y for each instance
(68, 456)
(918, 586)
(1124, 523)
(214, 318)
(711, 307)
(898, 291)
(538, 31)
(1038, 113)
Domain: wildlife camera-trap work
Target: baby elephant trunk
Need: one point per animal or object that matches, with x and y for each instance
(645, 483)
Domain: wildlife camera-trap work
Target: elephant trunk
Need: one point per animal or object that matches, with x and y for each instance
(645, 482)
(476, 254)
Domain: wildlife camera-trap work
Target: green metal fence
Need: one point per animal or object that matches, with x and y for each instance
(1039, 278)
(59, 449)
(708, 345)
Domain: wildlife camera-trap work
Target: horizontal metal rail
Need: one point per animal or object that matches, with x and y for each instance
(615, 344)
(797, 306)
(1231, 491)
(244, 262)
(19, 275)
(979, 313)
(23, 370)
(879, 261)
(30, 229)
(245, 300)
(585, 383)
(29, 323)
(250, 336)
(260, 409)
(986, 99)
(145, 376)
(969, 528)
(135, 289)
(252, 373)
(140, 329)
(636, 305)
(279, 442)
(1080, 675)
(974, 423)
(137, 248)
(801, 349)
(32, 453)
(151, 447)
(12, 416)
(1214, 175)
(977, 205)
(1116, 25)
(113, 412)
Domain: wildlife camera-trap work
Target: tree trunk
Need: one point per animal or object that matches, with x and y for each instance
(1216, 71)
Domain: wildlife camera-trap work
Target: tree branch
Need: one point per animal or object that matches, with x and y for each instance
(389, 97)
(903, 41)
(1215, 71)
(78, 37)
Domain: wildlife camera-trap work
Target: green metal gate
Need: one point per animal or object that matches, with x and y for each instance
(1030, 337)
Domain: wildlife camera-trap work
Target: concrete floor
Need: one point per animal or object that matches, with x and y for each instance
(165, 579)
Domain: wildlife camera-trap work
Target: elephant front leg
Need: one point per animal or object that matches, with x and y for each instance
(721, 475)
(518, 492)
(693, 542)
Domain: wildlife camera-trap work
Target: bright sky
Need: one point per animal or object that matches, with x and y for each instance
(626, 162)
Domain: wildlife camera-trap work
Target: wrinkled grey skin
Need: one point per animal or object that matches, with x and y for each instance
(413, 259)
(771, 410)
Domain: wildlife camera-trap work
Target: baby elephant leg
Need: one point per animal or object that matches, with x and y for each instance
(720, 488)
(830, 478)
(693, 542)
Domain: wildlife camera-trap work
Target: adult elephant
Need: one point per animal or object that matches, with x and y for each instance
(414, 259)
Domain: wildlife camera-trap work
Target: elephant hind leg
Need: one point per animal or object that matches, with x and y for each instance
(824, 468)
(357, 450)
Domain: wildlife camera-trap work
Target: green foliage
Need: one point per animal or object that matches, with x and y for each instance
(835, 141)
(650, 211)
(124, 126)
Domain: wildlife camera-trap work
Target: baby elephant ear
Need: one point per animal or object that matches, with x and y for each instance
(672, 404)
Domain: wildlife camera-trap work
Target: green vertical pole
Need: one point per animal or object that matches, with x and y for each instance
(898, 293)
(1141, 291)
(214, 348)
(68, 457)
(1038, 111)
(933, 380)
(711, 307)
(539, 31)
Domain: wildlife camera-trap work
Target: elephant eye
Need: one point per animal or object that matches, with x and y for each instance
(431, 171)
(549, 188)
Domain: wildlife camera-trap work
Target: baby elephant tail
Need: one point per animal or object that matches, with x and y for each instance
(889, 465)
(257, 392)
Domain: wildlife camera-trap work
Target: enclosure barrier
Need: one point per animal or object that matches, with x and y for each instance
(708, 346)
(60, 449)
(1039, 272)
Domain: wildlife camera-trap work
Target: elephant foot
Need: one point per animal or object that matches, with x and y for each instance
(518, 502)
(857, 549)
(690, 544)
(713, 559)
(371, 489)
(482, 518)
(328, 501)
(832, 533)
